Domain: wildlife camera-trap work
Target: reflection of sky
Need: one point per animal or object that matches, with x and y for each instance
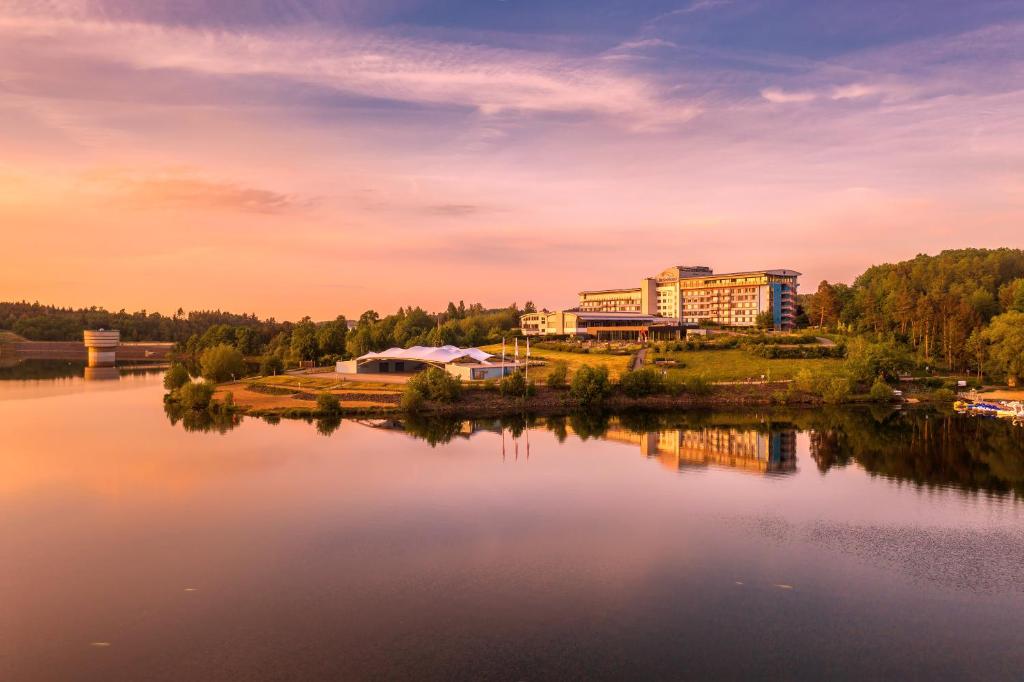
(437, 134)
(343, 554)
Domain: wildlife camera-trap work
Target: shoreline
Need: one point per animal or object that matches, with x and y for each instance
(483, 403)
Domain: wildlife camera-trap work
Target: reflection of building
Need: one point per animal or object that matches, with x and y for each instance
(102, 373)
(685, 295)
(771, 452)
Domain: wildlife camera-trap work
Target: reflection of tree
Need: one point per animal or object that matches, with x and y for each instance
(42, 369)
(557, 426)
(434, 430)
(220, 421)
(589, 424)
(926, 448)
(325, 426)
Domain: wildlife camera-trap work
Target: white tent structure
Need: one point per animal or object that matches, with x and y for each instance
(469, 363)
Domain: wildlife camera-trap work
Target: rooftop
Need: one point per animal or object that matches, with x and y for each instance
(439, 354)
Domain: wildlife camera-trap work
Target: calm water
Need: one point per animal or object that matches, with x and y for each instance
(850, 544)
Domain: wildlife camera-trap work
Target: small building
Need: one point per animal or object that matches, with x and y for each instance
(471, 364)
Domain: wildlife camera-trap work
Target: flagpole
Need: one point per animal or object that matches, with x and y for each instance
(527, 359)
(503, 356)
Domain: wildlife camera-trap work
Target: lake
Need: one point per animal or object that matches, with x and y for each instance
(141, 545)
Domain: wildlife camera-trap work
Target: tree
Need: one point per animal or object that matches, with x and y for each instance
(176, 377)
(437, 385)
(195, 396)
(1005, 336)
(558, 374)
(328, 404)
(641, 382)
(880, 391)
(303, 346)
(222, 363)
(823, 307)
(590, 385)
(514, 386)
(271, 365)
(330, 336)
(765, 320)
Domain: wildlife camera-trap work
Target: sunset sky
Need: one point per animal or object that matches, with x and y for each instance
(293, 157)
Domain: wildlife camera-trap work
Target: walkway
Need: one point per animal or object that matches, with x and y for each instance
(638, 361)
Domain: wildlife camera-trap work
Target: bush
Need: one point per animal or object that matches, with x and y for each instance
(270, 365)
(437, 385)
(328, 404)
(222, 363)
(797, 353)
(558, 375)
(943, 395)
(590, 385)
(412, 399)
(514, 385)
(646, 381)
(697, 385)
(880, 391)
(176, 377)
(836, 391)
(804, 380)
(195, 396)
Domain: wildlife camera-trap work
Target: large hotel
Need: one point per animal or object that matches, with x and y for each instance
(681, 296)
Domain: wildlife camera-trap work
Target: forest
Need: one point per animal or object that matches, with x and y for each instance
(288, 342)
(961, 309)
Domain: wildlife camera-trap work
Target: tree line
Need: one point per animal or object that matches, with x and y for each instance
(961, 309)
(283, 343)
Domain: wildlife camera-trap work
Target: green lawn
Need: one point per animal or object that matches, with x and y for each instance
(617, 364)
(738, 364)
(323, 383)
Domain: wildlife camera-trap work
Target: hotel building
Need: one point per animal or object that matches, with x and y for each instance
(680, 295)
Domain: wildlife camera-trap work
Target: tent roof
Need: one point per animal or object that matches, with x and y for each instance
(441, 354)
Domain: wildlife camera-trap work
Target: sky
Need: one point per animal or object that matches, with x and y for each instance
(307, 157)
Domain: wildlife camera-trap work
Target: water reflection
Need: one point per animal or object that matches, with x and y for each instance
(923, 447)
(202, 421)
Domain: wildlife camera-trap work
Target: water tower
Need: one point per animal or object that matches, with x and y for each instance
(102, 346)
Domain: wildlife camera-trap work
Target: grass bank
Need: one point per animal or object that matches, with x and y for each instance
(739, 365)
(544, 359)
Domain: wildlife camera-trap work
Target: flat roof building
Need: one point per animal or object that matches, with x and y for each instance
(685, 295)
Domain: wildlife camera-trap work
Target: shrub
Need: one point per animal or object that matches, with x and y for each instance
(836, 391)
(412, 399)
(558, 375)
(943, 395)
(328, 404)
(221, 363)
(697, 385)
(271, 364)
(880, 391)
(590, 385)
(804, 380)
(176, 377)
(514, 385)
(646, 381)
(195, 396)
(437, 385)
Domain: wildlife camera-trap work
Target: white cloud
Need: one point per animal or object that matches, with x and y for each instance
(780, 96)
(490, 80)
(854, 91)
